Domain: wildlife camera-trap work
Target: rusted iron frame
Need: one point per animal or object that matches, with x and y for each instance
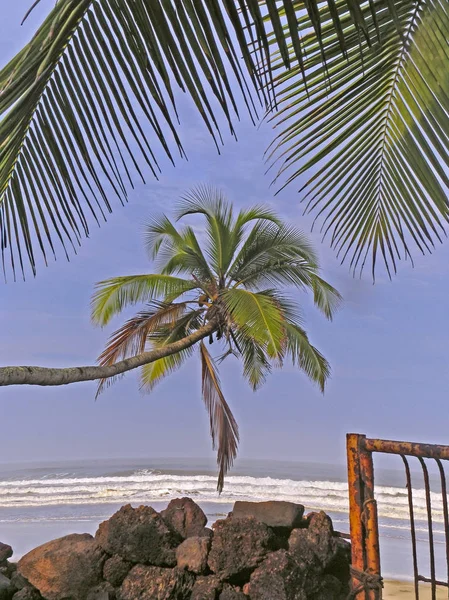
(407, 448)
(430, 527)
(416, 575)
(446, 517)
(363, 514)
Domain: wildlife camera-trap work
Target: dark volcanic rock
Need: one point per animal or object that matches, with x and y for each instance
(104, 591)
(231, 593)
(274, 514)
(238, 546)
(5, 552)
(27, 593)
(192, 554)
(64, 568)
(6, 588)
(279, 577)
(339, 565)
(19, 581)
(185, 517)
(327, 587)
(156, 583)
(115, 570)
(138, 535)
(206, 588)
(316, 545)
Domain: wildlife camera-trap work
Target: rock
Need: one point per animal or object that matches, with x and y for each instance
(115, 570)
(206, 588)
(19, 581)
(104, 591)
(138, 535)
(185, 517)
(328, 588)
(231, 593)
(279, 577)
(27, 593)
(156, 583)
(315, 545)
(5, 552)
(339, 565)
(6, 588)
(64, 568)
(238, 546)
(274, 514)
(192, 554)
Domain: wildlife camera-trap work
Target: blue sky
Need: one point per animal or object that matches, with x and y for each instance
(387, 345)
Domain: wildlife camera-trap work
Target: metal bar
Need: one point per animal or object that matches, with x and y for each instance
(412, 526)
(370, 517)
(427, 580)
(356, 507)
(446, 517)
(429, 521)
(407, 448)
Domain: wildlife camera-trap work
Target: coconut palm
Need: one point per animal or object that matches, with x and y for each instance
(230, 280)
(360, 90)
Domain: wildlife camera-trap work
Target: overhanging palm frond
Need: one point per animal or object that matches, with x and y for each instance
(374, 133)
(113, 295)
(223, 427)
(92, 98)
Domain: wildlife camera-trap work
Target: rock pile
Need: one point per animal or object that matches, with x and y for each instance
(261, 551)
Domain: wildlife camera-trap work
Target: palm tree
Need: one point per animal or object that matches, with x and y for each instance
(359, 90)
(228, 280)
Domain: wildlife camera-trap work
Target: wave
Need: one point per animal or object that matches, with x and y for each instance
(146, 486)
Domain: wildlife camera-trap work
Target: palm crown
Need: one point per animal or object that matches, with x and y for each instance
(229, 279)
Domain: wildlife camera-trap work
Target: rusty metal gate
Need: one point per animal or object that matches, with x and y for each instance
(366, 568)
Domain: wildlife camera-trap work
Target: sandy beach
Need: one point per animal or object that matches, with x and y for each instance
(406, 591)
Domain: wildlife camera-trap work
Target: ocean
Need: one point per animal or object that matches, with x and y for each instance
(43, 501)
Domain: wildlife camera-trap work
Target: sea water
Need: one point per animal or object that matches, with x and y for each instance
(40, 502)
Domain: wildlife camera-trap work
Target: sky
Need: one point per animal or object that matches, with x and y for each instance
(387, 345)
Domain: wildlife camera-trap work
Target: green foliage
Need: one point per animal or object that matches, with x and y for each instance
(227, 271)
(89, 102)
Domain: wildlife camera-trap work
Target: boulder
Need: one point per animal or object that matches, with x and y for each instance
(238, 546)
(27, 593)
(185, 517)
(138, 535)
(64, 568)
(279, 577)
(206, 588)
(6, 588)
(327, 587)
(19, 581)
(286, 515)
(115, 570)
(192, 554)
(231, 593)
(5, 552)
(339, 565)
(156, 583)
(316, 545)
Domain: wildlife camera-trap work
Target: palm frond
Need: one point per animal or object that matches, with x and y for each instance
(256, 363)
(154, 372)
(373, 133)
(223, 427)
(131, 338)
(91, 100)
(258, 314)
(113, 295)
(304, 355)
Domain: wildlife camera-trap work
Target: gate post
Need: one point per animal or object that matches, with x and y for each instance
(363, 518)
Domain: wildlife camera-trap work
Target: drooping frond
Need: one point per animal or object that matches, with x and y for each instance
(223, 427)
(132, 337)
(256, 363)
(372, 133)
(113, 295)
(258, 314)
(91, 99)
(304, 355)
(152, 373)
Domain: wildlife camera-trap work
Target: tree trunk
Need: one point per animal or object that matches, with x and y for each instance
(48, 376)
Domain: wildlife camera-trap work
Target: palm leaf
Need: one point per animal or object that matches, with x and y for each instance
(223, 427)
(256, 364)
(373, 134)
(132, 337)
(113, 295)
(90, 100)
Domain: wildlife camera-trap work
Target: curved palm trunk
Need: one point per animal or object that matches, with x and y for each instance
(47, 376)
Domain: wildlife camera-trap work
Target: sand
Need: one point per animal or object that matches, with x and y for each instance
(406, 591)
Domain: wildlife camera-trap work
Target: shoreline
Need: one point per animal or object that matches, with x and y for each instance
(406, 590)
